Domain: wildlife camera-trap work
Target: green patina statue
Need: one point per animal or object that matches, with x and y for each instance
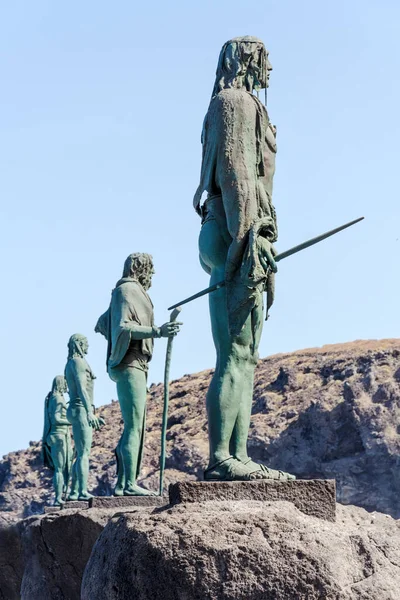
(80, 413)
(56, 441)
(236, 246)
(128, 326)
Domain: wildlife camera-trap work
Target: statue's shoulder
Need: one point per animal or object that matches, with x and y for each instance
(233, 98)
(126, 290)
(77, 363)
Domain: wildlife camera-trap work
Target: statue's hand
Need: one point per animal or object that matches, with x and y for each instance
(170, 329)
(266, 253)
(95, 422)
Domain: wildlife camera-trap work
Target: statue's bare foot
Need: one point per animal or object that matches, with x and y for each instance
(59, 502)
(72, 497)
(267, 473)
(136, 490)
(232, 469)
(118, 490)
(85, 496)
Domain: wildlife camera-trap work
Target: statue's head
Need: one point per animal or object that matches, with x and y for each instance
(59, 384)
(78, 345)
(243, 63)
(139, 266)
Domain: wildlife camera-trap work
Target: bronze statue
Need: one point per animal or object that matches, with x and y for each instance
(128, 326)
(239, 228)
(56, 441)
(80, 413)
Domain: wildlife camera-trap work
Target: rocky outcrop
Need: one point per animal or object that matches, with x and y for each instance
(56, 548)
(330, 412)
(11, 560)
(245, 551)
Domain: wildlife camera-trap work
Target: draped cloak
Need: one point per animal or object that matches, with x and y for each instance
(129, 305)
(238, 166)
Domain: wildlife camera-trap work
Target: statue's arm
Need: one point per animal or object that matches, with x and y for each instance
(124, 319)
(79, 372)
(124, 312)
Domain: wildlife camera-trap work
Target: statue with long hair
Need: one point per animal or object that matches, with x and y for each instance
(238, 230)
(128, 326)
(56, 440)
(80, 413)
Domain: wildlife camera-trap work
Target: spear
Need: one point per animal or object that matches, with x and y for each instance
(173, 317)
(277, 258)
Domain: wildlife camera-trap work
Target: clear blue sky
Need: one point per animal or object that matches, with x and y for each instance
(100, 113)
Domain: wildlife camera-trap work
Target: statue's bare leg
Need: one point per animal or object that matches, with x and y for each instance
(224, 396)
(59, 456)
(132, 394)
(83, 434)
(230, 394)
(119, 487)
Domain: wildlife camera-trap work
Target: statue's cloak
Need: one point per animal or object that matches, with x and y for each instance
(238, 165)
(46, 448)
(129, 305)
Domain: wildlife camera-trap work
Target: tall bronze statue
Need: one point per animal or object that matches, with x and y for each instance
(80, 413)
(236, 240)
(128, 326)
(56, 441)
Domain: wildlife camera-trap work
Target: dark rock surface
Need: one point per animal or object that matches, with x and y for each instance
(245, 551)
(56, 549)
(313, 497)
(330, 413)
(11, 560)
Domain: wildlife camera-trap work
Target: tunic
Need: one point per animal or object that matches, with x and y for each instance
(237, 171)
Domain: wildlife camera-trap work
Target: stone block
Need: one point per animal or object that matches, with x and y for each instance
(127, 501)
(77, 504)
(315, 497)
(81, 504)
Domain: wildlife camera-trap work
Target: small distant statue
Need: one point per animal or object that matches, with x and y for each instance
(56, 441)
(236, 240)
(128, 326)
(80, 413)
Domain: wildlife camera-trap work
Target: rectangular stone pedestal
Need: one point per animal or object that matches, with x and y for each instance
(76, 504)
(126, 501)
(316, 497)
(80, 504)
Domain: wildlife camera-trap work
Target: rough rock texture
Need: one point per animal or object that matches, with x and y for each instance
(313, 497)
(127, 501)
(11, 560)
(56, 549)
(330, 412)
(246, 551)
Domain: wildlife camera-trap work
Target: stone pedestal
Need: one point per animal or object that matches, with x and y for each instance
(127, 501)
(315, 497)
(77, 504)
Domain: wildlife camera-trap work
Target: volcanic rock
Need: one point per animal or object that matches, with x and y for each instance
(245, 551)
(330, 412)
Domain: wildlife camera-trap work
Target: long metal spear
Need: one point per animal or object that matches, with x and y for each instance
(173, 317)
(277, 258)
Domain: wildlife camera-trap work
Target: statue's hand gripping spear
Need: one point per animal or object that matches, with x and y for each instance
(277, 258)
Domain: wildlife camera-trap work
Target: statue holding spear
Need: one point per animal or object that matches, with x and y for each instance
(239, 228)
(128, 325)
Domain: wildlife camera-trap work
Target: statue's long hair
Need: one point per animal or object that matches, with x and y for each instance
(140, 265)
(240, 65)
(74, 345)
